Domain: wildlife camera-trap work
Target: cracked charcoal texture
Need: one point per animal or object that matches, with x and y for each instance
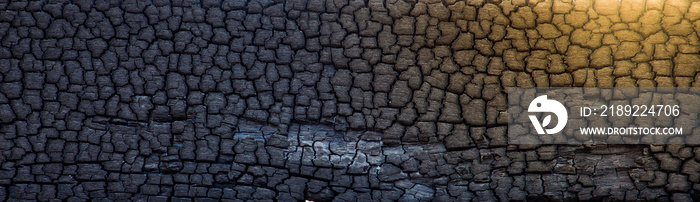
(330, 100)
